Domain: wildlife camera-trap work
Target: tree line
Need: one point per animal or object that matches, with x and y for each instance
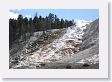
(24, 26)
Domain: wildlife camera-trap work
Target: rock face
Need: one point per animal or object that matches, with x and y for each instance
(91, 35)
(89, 48)
(74, 45)
(91, 43)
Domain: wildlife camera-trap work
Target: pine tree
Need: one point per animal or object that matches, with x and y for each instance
(22, 26)
(50, 20)
(19, 25)
(31, 26)
(62, 23)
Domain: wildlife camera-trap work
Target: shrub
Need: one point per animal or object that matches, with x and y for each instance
(15, 62)
(42, 64)
(68, 66)
(85, 65)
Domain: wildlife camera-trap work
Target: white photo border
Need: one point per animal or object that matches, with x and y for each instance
(102, 72)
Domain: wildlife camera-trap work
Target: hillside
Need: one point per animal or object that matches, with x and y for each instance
(73, 47)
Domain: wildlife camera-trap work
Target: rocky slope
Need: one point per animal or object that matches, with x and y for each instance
(91, 42)
(73, 47)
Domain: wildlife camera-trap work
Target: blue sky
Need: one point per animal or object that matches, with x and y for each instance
(82, 14)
